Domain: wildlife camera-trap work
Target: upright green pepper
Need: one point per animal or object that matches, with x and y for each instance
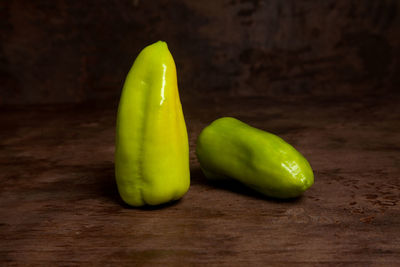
(152, 151)
(229, 148)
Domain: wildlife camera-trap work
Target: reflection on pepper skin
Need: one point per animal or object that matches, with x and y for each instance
(152, 151)
(163, 84)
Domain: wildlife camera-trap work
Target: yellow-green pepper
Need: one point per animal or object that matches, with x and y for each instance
(229, 148)
(152, 151)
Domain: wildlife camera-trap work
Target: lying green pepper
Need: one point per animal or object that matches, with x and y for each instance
(152, 151)
(229, 148)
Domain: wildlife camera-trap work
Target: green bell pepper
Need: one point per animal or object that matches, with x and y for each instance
(229, 148)
(152, 151)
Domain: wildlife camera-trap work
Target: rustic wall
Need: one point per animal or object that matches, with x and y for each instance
(76, 51)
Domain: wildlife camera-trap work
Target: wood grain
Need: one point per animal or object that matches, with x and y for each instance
(59, 204)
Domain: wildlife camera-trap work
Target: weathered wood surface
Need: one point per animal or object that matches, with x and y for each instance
(59, 204)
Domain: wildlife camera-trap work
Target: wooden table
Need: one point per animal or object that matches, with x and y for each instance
(59, 204)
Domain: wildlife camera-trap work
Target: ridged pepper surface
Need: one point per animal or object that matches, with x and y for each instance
(231, 149)
(152, 152)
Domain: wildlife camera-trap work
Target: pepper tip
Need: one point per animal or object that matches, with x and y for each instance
(163, 43)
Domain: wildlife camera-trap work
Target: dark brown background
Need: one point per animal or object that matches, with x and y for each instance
(323, 75)
(79, 51)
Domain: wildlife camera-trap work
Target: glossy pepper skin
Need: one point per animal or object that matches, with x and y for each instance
(229, 148)
(152, 151)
